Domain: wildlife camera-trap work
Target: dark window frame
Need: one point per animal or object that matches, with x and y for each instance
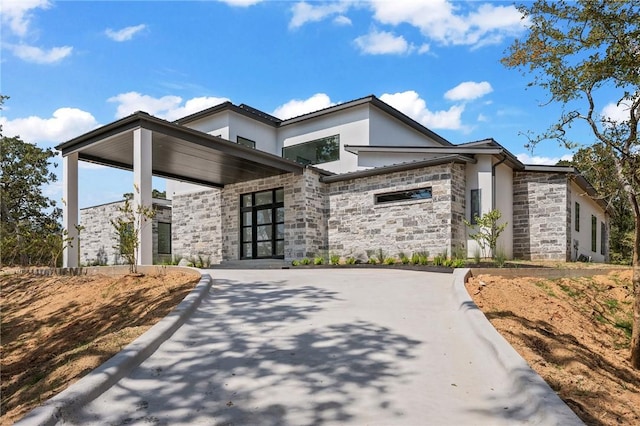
(577, 216)
(245, 142)
(594, 233)
(475, 205)
(253, 210)
(316, 160)
(414, 194)
(603, 233)
(168, 240)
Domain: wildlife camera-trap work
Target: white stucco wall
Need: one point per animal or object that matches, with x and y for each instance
(588, 208)
(479, 176)
(216, 125)
(351, 124)
(387, 131)
(262, 134)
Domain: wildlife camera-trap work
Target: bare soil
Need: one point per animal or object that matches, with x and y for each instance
(575, 333)
(55, 329)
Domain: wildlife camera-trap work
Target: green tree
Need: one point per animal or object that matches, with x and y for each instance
(30, 232)
(487, 231)
(585, 55)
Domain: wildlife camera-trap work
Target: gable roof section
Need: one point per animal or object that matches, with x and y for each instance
(178, 152)
(372, 100)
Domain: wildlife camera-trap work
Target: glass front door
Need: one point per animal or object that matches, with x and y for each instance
(262, 225)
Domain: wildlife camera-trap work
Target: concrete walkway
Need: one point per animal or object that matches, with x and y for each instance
(327, 346)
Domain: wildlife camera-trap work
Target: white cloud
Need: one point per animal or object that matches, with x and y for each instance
(542, 161)
(125, 33)
(468, 91)
(342, 20)
(40, 56)
(411, 104)
(304, 12)
(618, 113)
(382, 43)
(297, 107)
(16, 14)
(240, 3)
(482, 118)
(167, 107)
(65, 124)
(443, 22)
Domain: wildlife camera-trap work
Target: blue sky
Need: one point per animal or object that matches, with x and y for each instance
(69, 67)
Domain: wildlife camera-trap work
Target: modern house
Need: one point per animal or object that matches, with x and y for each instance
(353, 177)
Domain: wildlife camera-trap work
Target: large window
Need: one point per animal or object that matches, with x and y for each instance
(262, 224)
(594, 233)
(314, 152)
(475, 205)
(411, 195)
(246, 142)
(577, 217)
(164, 238)
(603, 239)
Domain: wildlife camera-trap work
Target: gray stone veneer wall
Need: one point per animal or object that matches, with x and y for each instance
(541, 216)
(98, 239)
(305, 217)
(356, 224)
(197, 225)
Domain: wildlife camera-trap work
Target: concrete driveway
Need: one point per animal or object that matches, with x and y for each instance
(328, 346)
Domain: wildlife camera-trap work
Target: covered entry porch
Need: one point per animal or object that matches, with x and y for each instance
(150, 146)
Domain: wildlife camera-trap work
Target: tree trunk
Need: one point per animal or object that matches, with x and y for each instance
(635, 335)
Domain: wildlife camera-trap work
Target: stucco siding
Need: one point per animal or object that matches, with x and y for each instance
(581, 236)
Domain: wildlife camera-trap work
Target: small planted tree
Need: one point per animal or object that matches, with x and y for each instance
(487, 231)
(128, 227)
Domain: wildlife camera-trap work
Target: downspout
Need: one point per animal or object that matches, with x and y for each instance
(493, 181)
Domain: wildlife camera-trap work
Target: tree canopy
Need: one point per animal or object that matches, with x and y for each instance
(30, 231)
(586, 55)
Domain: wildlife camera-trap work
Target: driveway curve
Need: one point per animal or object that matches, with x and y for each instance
(330, 346)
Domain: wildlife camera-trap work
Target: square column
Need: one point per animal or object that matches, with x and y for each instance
(71, 250)
(142, 171)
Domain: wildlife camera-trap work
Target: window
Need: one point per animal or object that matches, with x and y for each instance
(594, 233)
(475, 205)
(164, 238)
(246, 142)
(314, 152)
(413, 194)
(262, 224)
(603, 233)
(577, 217)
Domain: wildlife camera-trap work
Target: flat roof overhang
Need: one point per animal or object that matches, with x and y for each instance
(178, 152)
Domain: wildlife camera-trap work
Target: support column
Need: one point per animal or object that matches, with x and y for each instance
(142, 170)
(71, 251)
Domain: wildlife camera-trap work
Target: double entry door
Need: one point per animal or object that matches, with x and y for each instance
(262, 225)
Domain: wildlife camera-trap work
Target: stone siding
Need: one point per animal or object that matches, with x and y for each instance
(305, 217)
(197, 226)
(541, 216)
(99, 243)
(357, 224)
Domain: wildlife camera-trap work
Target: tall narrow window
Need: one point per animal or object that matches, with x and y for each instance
(164, 238)
(475, 205)
(603, 239)
(594, 233)
(577, 217)
(262, 224)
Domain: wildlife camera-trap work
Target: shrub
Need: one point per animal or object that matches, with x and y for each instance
(295, 263)
(334, 259)
(305, 261)
(350, 260)
(389, 261)
(318, 260)
(404, 258)
(438, 260)
(500, 257)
